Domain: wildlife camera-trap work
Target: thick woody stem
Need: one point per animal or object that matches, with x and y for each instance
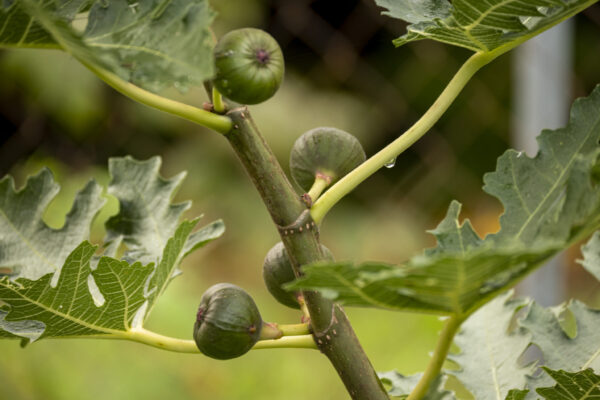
(331, 329)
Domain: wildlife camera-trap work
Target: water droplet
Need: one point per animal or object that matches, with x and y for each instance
(519, 154)
(391, 163)
(228, 53)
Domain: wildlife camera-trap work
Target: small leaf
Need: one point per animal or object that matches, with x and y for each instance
(583, 385)
(28, 247)
(481, 26)
(490, 351)
(591, 255)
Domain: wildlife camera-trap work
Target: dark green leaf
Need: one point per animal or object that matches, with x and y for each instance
(550, 201)
(151, 43)
(69, 309)
(583, 385)
(516, 394)
(481, 26)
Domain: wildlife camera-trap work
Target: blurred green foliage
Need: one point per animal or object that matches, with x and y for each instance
(54, 112)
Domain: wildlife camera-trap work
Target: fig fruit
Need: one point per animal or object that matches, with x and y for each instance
(228, 322)
(249, 66)
(277, 270)
(328, 153)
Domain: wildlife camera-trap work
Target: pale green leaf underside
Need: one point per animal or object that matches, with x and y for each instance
(493, 340)
(550, 202)
(576, 353)
(583, 385)
(480, 26)
(95, 294)
(489, 351)
(151, 43)
(591, 255)
(28, 247)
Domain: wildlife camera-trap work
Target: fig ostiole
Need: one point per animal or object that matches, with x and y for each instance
(228, 322)
(277, 271)
(249, 66)
(323, 155)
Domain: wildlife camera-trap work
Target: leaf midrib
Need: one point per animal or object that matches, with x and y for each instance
(58, 313)
(559, 180)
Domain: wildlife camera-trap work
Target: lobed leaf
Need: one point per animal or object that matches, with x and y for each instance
(151, 43)
(480, 26)
(493, 343)
(579, 349)
(490, 351)
(550, 201)
(69, 309)
(92, 295)
(28, 247)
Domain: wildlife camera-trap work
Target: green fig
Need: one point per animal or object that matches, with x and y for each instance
(327, 153)
(249, 66)
(228, 322)
(277, 270)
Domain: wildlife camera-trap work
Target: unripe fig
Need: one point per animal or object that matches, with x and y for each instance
(329, 153)
(277, 270)
(249, 66)
(228, 322)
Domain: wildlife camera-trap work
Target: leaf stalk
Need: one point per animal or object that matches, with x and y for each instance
(407, 139)
(439, 356)
(219, 123)
(162, 342)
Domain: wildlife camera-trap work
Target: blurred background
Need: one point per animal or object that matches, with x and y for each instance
(342, 71)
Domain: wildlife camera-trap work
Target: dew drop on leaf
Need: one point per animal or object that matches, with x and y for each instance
(391, 163)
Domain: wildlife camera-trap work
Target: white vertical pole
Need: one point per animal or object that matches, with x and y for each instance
(541, 99)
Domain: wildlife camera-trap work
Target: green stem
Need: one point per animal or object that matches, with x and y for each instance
(219, 123)
(439, 356)
(288, 342)
(217, 100)
(159, 341)
(271, 330)
(295, 329)
(391, 151)
(189, 346)
(318, 186)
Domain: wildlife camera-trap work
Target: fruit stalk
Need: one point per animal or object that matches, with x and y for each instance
(331, 329)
